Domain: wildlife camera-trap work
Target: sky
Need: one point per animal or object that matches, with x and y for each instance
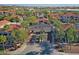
(43, 5)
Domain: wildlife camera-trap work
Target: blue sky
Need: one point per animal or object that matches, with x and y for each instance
(44, 5)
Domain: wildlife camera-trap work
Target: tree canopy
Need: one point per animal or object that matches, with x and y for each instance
(71, 34)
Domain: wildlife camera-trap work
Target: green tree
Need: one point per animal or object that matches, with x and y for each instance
(23, 34)
(28, 13)
(41, 36)
(45, 12)
(32, 20)
(59, 32)
(6, 27)
(3, 39)
(59, 28)
(1, 17)
(25, 24)
(14, 19)
(29, 21)
(20, 35)
(71, 36)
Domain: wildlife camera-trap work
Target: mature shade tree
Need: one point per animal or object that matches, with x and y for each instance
(23, 35)
(32, 20)
(45, 12)
(19, 12)
(59, 28)
(29, 21)
(20, 35)
(28, 13)
(24, 12)
(71, 36)
(25, 24)
(59, 32)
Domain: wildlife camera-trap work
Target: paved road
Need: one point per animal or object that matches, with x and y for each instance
(30, 48)
(26, 48)
(36, 48)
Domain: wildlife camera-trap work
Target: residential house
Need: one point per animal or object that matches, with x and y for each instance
(7, 33)
(42, 19)
(7, 12)
(48, 29)
(55, 15)
(4, 22)
(69, 17)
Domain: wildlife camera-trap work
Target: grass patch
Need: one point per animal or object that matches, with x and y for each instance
(1, 51)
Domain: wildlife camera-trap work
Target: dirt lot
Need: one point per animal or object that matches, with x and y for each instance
(71, 49)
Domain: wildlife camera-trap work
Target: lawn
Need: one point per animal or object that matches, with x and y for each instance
(1, 51)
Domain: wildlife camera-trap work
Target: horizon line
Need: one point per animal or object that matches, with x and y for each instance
(42, 5)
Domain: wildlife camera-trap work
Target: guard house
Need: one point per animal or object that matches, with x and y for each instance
(47, 28)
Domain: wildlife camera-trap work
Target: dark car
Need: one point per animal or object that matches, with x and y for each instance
(32, 53)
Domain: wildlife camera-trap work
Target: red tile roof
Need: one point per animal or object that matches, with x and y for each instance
(4, 22)
(70, 14)
(13, 26)
(7, 11)
(42, 19)
(66, 26)
(55, 15)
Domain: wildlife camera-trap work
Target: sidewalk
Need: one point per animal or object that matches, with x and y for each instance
(18, 51)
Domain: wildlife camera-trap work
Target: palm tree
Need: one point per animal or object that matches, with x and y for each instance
(41, 36)
(3, 39)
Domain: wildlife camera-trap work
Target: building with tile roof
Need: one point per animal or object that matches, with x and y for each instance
(4, 22)
(42, 20)
(40, 27)
(68, 17)
(13, 27)
(66, 26)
